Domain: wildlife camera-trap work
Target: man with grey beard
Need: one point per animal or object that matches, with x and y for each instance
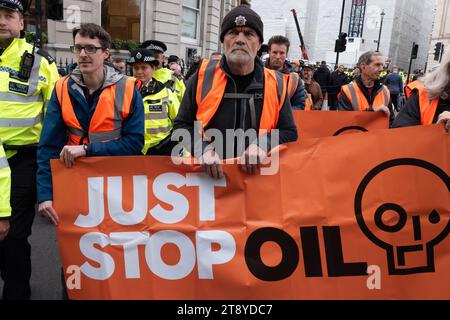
(236, 93)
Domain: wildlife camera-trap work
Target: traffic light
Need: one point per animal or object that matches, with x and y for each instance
(415, 50)
(341, 43)
(55, 9)
(437, 50)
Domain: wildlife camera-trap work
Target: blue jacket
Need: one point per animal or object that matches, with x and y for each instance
(54, 134)
(394, 82)
(298, 99)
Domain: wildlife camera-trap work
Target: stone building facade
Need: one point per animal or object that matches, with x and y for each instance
(441, 32)
(186, 26)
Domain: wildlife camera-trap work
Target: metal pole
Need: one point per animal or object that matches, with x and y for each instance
(340, 31)
(38, 13)
(410, 64)
(381, 28)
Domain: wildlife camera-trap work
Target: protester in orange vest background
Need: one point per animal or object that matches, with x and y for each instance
(96, 111)
(428, 99)
(314, 98)
(244, 95)
(366, 92)
(278, 50)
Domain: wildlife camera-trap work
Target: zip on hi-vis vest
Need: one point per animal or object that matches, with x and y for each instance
(211, 85)
(359, 101)
(113, 107)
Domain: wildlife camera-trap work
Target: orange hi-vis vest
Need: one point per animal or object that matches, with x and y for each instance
(359, 101)
(308, 99)
(211, 85)
(293, 83)
(112, 108)
(427, 107)
(308, 102)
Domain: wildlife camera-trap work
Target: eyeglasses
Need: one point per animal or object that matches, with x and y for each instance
(89, 49)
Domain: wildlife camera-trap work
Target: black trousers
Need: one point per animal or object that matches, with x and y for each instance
(394, 99)
(15, 251)
(332, 101)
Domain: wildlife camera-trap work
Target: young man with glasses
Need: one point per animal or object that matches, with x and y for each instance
(96, 111)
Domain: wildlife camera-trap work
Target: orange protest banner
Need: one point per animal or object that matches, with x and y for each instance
(316, 124)
(361, 216)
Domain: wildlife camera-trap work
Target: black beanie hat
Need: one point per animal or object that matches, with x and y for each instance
(242, 16)
(173, 58)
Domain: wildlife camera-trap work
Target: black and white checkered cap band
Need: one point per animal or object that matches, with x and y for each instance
(14, 5)
(154, 48)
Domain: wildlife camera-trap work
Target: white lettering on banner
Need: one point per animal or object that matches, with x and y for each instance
(187, 255)
(206, 257)
(160, 188)
(105, 261)
(96, 205)
(206, 193)
(179, 202)
(130, 242)
(140, 203)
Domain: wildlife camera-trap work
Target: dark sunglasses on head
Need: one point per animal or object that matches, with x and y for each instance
(89, 49)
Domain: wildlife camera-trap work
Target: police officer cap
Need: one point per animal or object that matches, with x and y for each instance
(13, 5)
(143, 55)
(154, 45)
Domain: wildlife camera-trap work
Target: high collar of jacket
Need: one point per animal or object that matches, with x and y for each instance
(376, 86)
(163, 75)
(287, 67)
(112, 76)
(258, 71)
(17, 44)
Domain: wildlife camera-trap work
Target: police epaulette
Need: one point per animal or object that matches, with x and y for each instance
(46, 55)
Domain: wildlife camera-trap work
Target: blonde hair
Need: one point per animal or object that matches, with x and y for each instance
(438, 82)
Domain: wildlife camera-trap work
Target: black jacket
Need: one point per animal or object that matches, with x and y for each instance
(233, 113)
(322, 77)
(345, 104)
(337, 80)
(409, 115)
(193, 69)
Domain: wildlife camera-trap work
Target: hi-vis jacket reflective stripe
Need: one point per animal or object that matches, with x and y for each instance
(359, 101)
(112, 108)
(293, 83)
(211, 85)
(427, 107)
(160, 109)
(5, 185)
(166, 77)
(22, 103)
(180, 88)
(308, 102)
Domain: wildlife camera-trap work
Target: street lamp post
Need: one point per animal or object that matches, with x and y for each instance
(381, 28)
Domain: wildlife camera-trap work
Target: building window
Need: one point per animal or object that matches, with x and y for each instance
(122, 19)
(30, 19)
(190, 18)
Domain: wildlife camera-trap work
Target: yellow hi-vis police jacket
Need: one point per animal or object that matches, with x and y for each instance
(23, 102)
(160, 109)
(167, 77)
(5, 185)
